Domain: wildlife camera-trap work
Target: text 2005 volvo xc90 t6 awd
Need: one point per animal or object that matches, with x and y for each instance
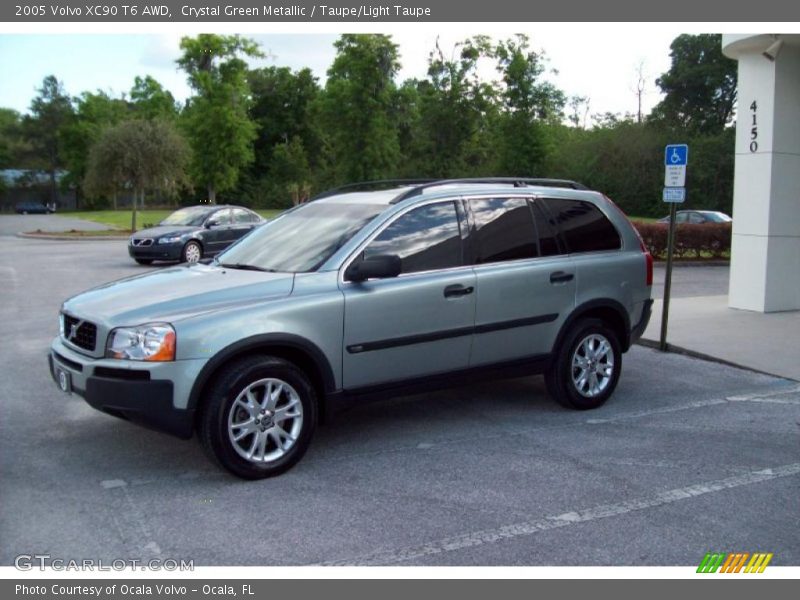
(363, 293)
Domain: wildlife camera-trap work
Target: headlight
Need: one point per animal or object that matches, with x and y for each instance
(169, 240)
(153, 342)
(61, 325)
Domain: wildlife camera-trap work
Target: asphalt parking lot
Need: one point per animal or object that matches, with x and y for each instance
(688, 457)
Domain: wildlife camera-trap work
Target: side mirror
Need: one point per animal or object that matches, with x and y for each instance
(211, 223)
(380, 266)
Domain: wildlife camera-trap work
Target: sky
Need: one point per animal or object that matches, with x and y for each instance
(599, 64)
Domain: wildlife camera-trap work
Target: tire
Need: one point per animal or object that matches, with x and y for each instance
(144, 261)
(192, 252)
(564, 378)
(227, 412)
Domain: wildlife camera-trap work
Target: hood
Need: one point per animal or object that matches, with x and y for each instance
(176, 293)
(162, 230)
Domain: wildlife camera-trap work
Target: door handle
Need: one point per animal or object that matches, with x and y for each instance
(454, 291)
(561, 277)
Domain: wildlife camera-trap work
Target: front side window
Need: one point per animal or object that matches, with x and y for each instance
(425, 238)
(504, 230)
(583, 226)
(222, 217)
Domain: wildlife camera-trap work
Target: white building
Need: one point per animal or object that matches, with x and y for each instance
(765, 252)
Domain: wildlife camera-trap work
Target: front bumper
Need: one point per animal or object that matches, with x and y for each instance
(151, 394)
(156, 251)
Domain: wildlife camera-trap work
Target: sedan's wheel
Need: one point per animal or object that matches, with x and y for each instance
(586, 367)
(192, 252)
(258, 417)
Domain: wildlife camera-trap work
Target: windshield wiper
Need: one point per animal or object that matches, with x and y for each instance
(246, 267)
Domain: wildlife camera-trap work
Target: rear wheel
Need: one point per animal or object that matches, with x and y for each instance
(587, 366)
(192, 252)
(144, 261)
(259, 417)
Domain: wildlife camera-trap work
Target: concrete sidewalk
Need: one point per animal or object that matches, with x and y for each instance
(705, 325)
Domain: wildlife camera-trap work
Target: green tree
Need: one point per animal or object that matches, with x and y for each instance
(151, 101)
(50, 112)
(455, 108)
(529, 104)
(13, 147)
(355, 109)
(94, 113)
(700, 86)
(219, 128)
(281, 108)
(138, 157)
(290, 169)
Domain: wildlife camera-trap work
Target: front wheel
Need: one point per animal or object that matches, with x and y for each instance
(586, 367)
(192, 252)
(258, 417)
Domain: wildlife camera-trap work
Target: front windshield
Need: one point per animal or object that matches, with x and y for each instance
(194, 215)
(300, 240)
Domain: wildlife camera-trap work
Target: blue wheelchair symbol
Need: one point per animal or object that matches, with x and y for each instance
(676, 155)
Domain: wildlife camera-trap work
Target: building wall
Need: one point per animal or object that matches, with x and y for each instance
(765, 252)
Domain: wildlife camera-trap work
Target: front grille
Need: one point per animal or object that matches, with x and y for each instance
(80, 333)
(140, 243)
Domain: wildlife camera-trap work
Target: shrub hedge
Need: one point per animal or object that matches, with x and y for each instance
(710, 240)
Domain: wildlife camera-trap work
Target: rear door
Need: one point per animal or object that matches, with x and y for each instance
(525, 284)
(242, 223)
(419, 323)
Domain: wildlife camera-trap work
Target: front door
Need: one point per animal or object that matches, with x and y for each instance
(419, 323)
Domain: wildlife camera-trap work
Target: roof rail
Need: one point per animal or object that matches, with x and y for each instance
(367, 185)
(516, 181)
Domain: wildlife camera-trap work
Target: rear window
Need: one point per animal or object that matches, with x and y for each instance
(583, 226)
(504, 230)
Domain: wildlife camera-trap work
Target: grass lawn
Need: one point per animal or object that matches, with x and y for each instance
(121, 219)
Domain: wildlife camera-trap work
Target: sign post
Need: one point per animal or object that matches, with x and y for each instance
(676, 157)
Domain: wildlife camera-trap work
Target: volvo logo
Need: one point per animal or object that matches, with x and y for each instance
(73, 330)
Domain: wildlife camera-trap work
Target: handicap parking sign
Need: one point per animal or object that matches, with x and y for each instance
(676, 155)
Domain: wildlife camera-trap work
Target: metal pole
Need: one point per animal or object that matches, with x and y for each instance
(668, 278)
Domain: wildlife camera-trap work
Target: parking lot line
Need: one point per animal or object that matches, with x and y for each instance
(515, 530)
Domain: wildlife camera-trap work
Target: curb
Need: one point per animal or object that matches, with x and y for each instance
(693, 263)
(707, 357)
(67, 238)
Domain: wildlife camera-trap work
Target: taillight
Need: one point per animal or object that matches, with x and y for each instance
(647, 256)
(648, 261)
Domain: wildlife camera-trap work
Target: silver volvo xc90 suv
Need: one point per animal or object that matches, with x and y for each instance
(367, 291)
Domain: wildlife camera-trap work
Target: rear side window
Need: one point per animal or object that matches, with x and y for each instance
(504, 230)
(583, 226)
(243, 216)
(425, 238)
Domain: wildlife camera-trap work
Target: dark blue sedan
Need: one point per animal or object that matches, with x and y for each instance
(192, 233)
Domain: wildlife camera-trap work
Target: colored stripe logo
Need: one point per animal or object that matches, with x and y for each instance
(734, 562)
